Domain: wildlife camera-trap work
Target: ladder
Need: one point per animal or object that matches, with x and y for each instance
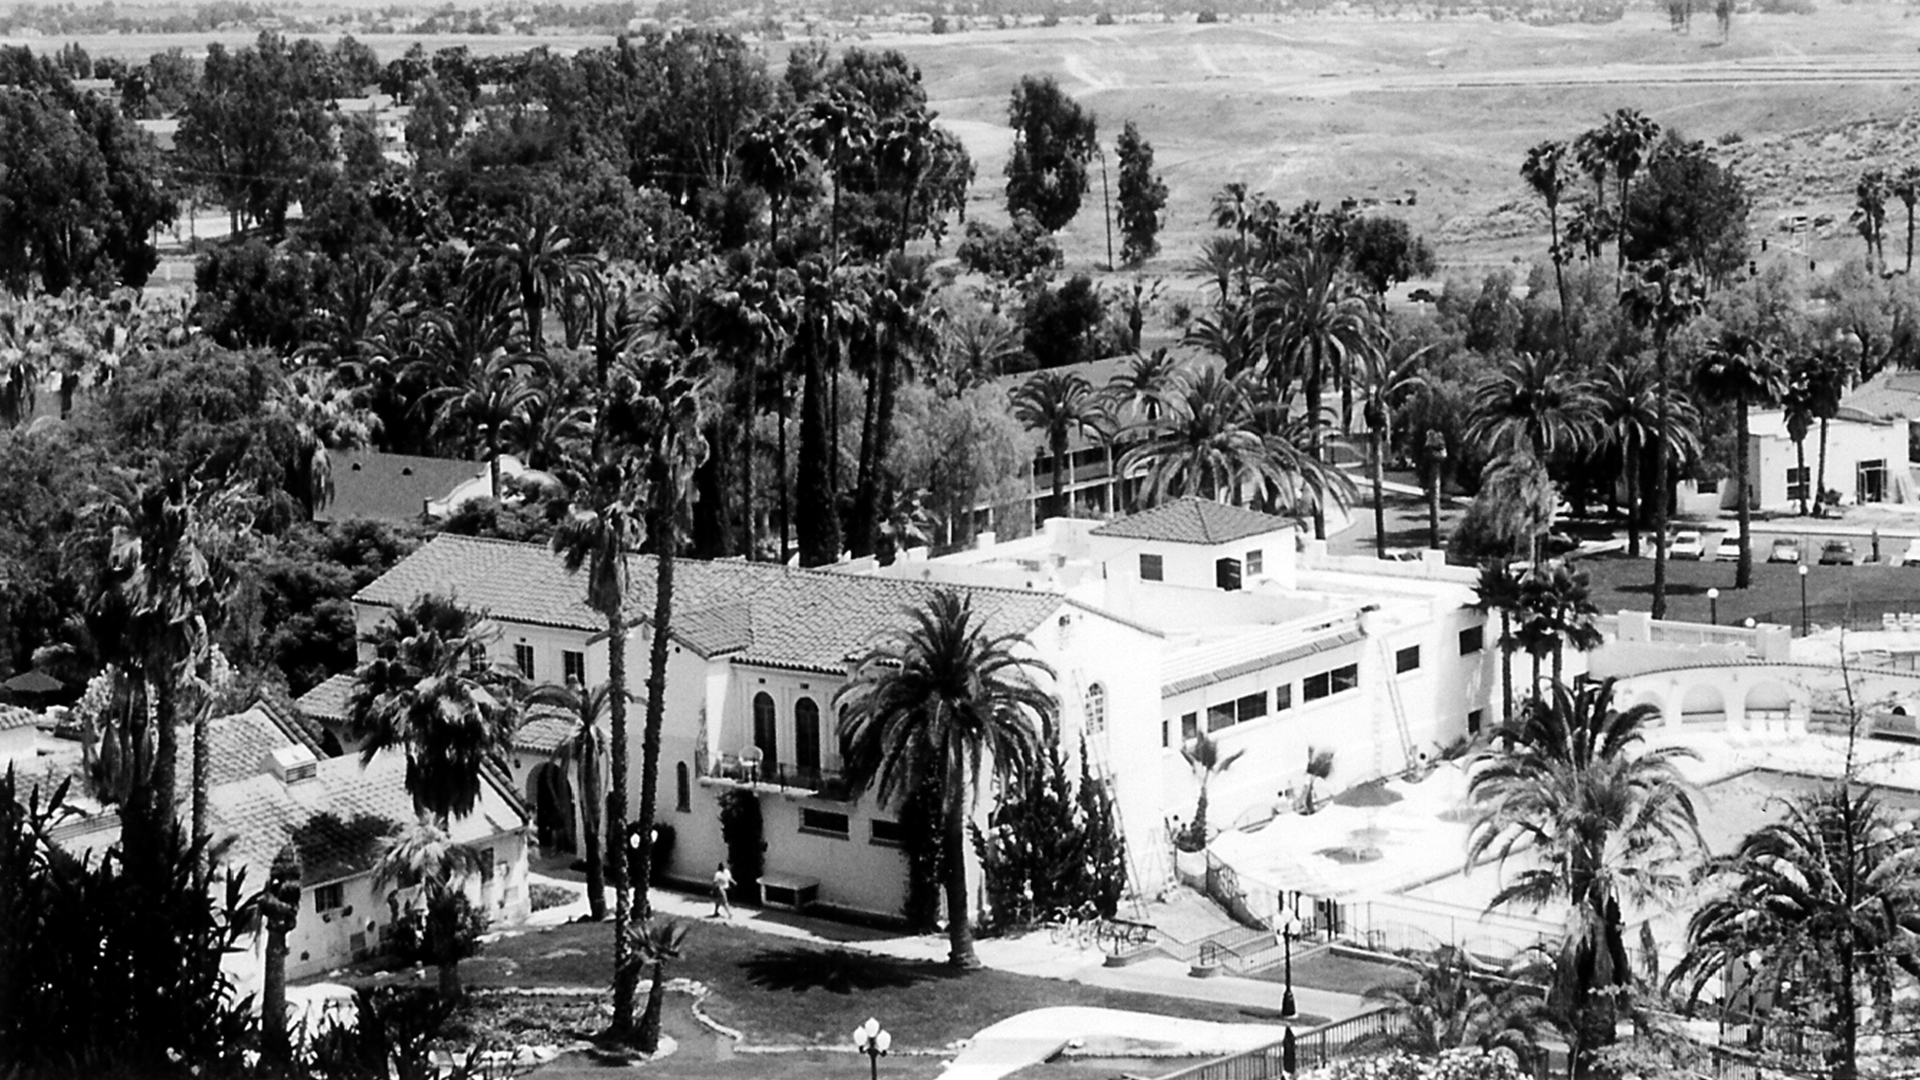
(1399, 715)
(1101, 770)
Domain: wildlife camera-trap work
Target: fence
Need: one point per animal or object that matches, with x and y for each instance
(1853, 615)
(1310, 1050)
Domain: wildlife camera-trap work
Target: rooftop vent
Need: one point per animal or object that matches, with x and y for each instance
(293, 764)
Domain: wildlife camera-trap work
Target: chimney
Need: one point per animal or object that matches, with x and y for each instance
(293, 764)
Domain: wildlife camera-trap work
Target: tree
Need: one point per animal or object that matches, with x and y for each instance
(497, 391)
(662, 943)
(431, 692)
(1828, 373)
(1534, 404)
(1454, 1004)
(1498, 589)
(533, 264)
(1817, 911)
(279, 905)
(1629, 417)
(1688, 209)
(1544, 170)
(1206, 759)
(1744, 371)
(1607, 822)
(1619, 146)
(1021, 251)
(1384, 382)
(1556, 601)
(1905, 186)
(1661, 299)
(963, 451)
(1797, 405)
(1382, 251)
(1061, 325)
(931, 706)
(1053, 139)
(442, 925)
(1870, 215)
(583, 748)
(1142, 196)
(773, 160)
(1060, 405)
(255, 131)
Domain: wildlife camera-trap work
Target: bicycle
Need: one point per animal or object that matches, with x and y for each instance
(1078, 925)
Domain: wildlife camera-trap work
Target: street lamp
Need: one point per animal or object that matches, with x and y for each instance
(1288, 931)
(872, 1040)
(1803, 599)
(1437, 457)
(1713, 605)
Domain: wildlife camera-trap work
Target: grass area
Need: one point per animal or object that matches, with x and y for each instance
(701, 1055)
(790, 993)
(1623, 582)
(1328, 970)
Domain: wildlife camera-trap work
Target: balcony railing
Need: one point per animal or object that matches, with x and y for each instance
(825, 783)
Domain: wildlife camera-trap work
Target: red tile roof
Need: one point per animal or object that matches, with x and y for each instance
(1191, 520)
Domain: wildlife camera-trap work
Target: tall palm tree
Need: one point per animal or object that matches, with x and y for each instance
(747, 319)
(479, 410)
(1905, 186)
(1322, 321)
(661, 943)
(1384, 383)
(1618, 147)
(1628, 415)
(1870, 215)
(1545, 171)
(1060, 404)
(1828, 372)
(1454, 1004)
(1828, 900)
(431, 692)
(424, 856)
(1661, 299)
(534, 264)
(584, 748)
(1207, 760)
(1498, 589)
(1743, 370)
(1534, 402)
(1797, 405)
(1557, 603)
(927, 709)
(1605, 825)
(1289, 482)
(902, 323)
(773, 160)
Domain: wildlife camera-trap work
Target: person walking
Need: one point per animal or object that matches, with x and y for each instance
(722, 881)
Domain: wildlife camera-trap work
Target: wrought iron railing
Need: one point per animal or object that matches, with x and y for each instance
(1311, 1049)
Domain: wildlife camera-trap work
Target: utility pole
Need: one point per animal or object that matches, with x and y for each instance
(1106, 204)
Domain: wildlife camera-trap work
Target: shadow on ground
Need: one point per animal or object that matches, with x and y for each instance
(837, 971)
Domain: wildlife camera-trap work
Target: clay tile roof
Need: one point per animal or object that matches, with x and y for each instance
(545, 730)
(1194, 521)
(327, 701)
(756, 612)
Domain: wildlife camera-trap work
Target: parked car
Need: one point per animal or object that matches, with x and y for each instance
(1838, 553)
(1912, 555)
(1784, 550)
(1687, 545)
(1728, 550)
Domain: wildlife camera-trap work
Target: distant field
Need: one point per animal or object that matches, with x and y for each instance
(1436, 112)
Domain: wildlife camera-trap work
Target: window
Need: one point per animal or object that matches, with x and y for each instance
(1472, 639)
(1407, 659)
(823, 823)
(328, 898)
(1096, 709)
(682, 789)
(1255, 560)
(1220, 716)
(1166, 734)
(1251, 707)
(1797, 481)
(884, 833)
(1226, 574)
(1328, 683)
(1709, 486)
(1152, 568)
(1283, 697)
(765, 736)
(523, 659)
(1474, 720)
(1189, 726)
(573, 667)
(806, 735)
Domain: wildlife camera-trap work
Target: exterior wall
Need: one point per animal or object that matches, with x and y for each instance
(1785, 698)
(1194, 564)
(1848, 444)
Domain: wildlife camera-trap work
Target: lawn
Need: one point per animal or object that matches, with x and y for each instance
(781, 992)
(1328, 970)
(1623, 582)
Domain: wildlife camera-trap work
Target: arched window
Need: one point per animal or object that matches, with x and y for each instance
(682, 789)
(806, 735)
(1096, 709)
(765, 731)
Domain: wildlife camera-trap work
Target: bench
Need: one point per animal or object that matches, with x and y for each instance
(788, 892)
(1127, 932)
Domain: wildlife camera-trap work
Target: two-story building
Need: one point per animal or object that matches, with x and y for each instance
(1194, 616)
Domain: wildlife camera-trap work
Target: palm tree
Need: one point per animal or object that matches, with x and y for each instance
(1060, 404)
(1797, 404)
(979, 347)
(1828, 372)
(774, 161)
(495, 393)
(1519, 502)
(1827, 900)
(1498, 589)
(279, 906)
(662, 943)
(1905, 186)
(584, 748)
(926, 709)
(1384, 381)
(1289, 482)
(1620, 146)
(326, 417)
(1534, 403)
(901, 324)
(1605, 824)
(1211, 441)
(1662, 299)
(1455, 1005)
(1322, 322)
(1142, 386)
(534, 263)
(1745, 371)
(431, 692)
(1870, 215)
(1207, 760)
(424, 856)
(1545, 172)
(1628, 415)
(1557, 603)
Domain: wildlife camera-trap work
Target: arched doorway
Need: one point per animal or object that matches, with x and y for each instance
(551, 793)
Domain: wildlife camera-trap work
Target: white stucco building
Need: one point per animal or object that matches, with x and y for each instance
(1866, 461)
(1192, 617)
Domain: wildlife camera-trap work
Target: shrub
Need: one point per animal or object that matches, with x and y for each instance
(541, 896)
(1207, 15)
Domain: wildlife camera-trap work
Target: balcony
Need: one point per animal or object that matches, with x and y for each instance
(792, 780)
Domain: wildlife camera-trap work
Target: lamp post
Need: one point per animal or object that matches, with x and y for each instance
(1288, 930)
(1437, 459)
(1713, 606)
(872, 1040)
(1803, 599)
